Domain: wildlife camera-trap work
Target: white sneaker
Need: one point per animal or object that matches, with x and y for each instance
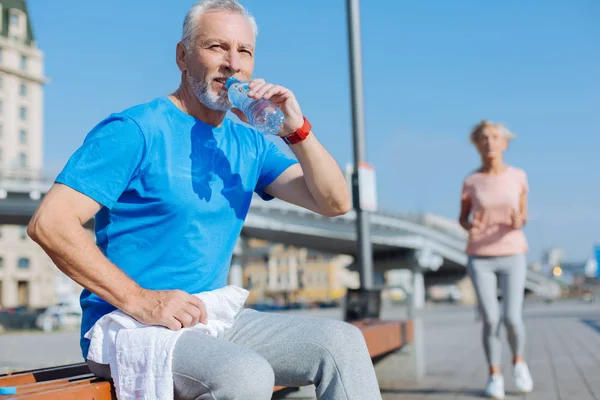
(523, 380)
(495, 387)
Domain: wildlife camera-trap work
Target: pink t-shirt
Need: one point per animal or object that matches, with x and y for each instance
(494, 198)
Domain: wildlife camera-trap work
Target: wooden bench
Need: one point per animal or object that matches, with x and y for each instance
(76, 382)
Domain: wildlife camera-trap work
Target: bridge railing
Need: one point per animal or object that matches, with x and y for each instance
(440, 224)
(24, 180)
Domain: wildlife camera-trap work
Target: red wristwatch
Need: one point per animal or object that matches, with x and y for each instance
(299, 135)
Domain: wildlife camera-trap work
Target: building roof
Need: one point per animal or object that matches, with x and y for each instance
(20, 5)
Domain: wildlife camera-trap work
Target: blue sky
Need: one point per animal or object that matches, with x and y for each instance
(432, 69)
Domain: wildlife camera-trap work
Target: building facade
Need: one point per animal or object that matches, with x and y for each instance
(21, 90)
(282, 275)
(27, 276)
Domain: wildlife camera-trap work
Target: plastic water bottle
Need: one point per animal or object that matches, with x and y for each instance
(265, 116)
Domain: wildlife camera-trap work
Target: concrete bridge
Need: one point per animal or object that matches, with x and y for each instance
(426, 244)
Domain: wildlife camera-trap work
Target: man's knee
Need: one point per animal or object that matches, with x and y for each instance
(251, 378)
(248, 376)
(339, 336)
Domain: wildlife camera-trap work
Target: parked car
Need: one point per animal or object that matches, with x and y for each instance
(19, 318)
(64, 315)
(444, 293)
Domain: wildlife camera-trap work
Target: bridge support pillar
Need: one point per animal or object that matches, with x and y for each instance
(417, 296)
(408, 363)
(405, 365)
(236, 274)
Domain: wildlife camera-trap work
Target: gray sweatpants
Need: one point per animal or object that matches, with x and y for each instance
(511, 271)
(266, 349)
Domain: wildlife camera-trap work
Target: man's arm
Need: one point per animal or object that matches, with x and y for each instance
(57, 226)
(317, 183)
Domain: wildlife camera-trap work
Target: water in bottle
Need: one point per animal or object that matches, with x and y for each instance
(265, 116)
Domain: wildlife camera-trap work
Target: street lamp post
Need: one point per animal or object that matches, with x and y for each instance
(358, 128)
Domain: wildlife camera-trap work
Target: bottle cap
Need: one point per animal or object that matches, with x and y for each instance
(8, 390)
(230, 82)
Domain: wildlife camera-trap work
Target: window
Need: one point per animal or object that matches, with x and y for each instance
(22, 113)
(23, 263)
(0, 82)
(23, 232)
(23, 63)
(22, 160)
(22, 89)
(0, 54)
(23, 293)
(14, 20)
(1, 261)
(1, 104)
(23, 136)
(1, 130)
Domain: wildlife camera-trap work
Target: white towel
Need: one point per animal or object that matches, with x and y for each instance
(141, 356)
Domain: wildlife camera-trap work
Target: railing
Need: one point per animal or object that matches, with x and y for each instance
(438, 223)
(23, 175)
(23, 180)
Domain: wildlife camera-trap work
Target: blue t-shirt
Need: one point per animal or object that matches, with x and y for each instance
(175, 192)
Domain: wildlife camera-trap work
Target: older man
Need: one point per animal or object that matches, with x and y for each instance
(170, 183)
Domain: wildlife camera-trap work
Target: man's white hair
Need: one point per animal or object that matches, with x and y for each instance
(192, 18)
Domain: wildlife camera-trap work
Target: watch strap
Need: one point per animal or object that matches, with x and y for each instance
(299, 135)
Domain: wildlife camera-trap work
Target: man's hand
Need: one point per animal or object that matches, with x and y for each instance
(516, 219)
(282, 98)
(174, 309)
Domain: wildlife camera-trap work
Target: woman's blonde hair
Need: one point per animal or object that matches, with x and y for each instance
(484, 123)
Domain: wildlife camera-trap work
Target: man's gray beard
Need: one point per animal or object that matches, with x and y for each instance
(206, 97)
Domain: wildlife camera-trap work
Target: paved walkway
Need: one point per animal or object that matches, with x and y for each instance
(563, 353)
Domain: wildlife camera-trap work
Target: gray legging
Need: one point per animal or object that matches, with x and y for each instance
(263, 349)
(511, 271)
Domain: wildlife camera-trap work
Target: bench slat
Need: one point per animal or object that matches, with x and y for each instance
(44, 374)
(382, 338)
(46, 387)
(17, 380)
(90, 391)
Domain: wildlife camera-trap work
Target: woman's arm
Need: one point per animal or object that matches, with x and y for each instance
(519, 218)
(465, 211)
(523, 207)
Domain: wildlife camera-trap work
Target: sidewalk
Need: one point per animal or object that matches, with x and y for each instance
(563, 352)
